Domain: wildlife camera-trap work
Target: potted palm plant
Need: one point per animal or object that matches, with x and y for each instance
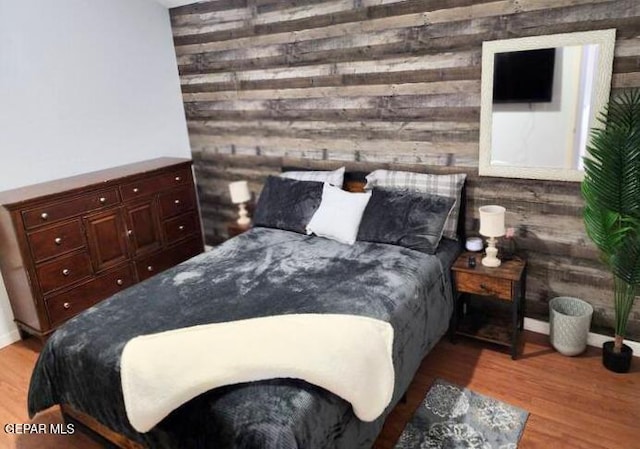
(611, 190)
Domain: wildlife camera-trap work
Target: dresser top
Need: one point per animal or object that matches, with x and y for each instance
(96, 179)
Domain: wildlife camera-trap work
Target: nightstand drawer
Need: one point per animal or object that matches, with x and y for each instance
(483, 285)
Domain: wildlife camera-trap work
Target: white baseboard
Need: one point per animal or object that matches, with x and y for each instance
(9, 337)
(595, 340)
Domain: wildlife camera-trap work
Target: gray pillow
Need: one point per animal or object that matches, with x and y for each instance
(287, 204)
(405, 218)
(443, 185)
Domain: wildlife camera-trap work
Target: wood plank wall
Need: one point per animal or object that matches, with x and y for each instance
(385, 83)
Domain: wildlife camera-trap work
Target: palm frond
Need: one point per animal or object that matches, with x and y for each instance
(611, 190)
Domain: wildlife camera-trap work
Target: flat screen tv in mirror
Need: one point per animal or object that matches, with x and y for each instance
(524, 76)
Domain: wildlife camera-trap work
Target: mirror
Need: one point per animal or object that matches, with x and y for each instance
(540, 96)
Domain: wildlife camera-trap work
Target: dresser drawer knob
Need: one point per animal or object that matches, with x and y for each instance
(149, 268)
(136, 190)
(181, 227)
(119, 282)
(176, 202)
(178, 179)
(103, 200)
(44, 215)
(66, 305)
(58, 240)
(66, 272)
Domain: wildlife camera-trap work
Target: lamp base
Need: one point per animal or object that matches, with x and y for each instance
(244, 221)
(491, 260)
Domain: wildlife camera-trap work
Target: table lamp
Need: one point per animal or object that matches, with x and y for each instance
(240, 195)
(492, 226)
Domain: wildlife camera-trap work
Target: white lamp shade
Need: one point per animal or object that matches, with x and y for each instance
(492, 221)
(239, 192)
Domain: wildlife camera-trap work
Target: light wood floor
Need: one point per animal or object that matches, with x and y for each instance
(574, 402)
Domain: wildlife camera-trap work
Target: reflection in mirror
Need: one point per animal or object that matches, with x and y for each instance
(540, 97)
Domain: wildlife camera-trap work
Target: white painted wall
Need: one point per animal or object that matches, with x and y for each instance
(541, 134)
(84, 85)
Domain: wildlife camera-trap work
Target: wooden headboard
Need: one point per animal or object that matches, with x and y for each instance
(354, 181)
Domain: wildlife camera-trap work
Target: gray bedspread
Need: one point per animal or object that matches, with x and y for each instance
(259, 273)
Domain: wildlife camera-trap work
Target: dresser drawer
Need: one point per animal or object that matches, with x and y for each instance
(70, 208)
(155, 263)
(177, 201)
(65, 305)
(181, 227)
(483, 285)
(57, 240)
(64, 271)
(153, 184)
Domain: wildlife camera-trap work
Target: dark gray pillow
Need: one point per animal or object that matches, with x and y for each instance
(405, 218)
(287, 204)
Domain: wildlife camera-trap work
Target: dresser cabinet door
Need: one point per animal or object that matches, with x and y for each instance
(106, 238)
(142, 227)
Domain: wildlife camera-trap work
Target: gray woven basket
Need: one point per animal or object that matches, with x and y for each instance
(569, 321)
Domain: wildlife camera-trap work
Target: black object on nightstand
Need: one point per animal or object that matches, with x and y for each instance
(489, 302)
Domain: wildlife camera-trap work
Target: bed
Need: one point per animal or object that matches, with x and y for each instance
(261, 272)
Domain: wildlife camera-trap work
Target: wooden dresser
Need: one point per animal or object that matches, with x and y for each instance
(67, 244)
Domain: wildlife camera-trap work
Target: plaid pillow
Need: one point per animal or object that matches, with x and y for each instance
(335, 177)
(443, 185)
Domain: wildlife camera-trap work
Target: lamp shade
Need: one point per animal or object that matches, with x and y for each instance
(239, 192)
(492, 221)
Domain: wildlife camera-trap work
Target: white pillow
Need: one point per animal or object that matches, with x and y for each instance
(335, 177)
(339, 214)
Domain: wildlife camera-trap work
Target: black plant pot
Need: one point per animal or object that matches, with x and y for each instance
(616, 362)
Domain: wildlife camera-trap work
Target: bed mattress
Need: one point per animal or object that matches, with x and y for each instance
(262, 272)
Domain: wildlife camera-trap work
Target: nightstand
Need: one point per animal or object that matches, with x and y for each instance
(233, 229)
(489, 302)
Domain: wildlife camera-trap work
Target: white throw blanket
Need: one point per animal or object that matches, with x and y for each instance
(349, 355)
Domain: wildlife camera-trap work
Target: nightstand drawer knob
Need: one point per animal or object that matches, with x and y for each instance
(119, 282)
(102, 200)
(178, 179)
(149, 268)
(181, 228)
(44, 215)
(58, 240)
(177, 201)
(66, 305)
(66, 272)
(136, 190)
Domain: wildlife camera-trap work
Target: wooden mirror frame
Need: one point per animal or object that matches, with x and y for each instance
(604, 38)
